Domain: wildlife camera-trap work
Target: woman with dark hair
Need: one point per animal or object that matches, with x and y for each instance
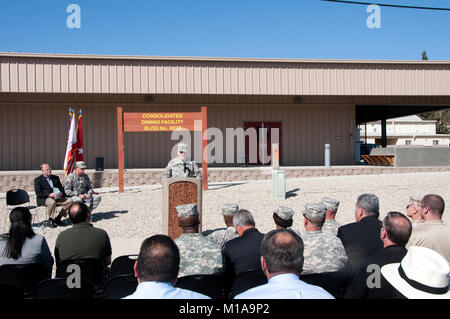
(21, 245)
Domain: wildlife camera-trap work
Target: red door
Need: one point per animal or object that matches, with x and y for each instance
(264, 136)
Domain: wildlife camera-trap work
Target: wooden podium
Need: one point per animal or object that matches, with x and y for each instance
(179, 191)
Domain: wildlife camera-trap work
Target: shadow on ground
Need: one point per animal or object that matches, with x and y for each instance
(292, 193)
(224, 186)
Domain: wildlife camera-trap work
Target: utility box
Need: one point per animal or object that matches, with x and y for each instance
(279, 184)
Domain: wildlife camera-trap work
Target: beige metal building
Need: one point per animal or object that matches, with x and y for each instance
(314, 102)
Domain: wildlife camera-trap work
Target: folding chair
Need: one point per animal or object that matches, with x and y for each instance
(23, 276)
(123, 265)
(16, 197)
(58, 289)
(10, 292)
(118, 287)
(92, 270)
(209, 285)
(333, 282)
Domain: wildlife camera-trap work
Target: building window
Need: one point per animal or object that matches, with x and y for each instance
(374, 129)
(435, 142)
(408, 142)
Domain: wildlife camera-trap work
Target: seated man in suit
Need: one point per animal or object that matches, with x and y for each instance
(395, 234)
(362, 238)
(243, 254)
(49, 192)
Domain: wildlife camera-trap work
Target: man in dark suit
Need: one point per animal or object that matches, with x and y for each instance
(362, 238)
(367, 282)
(50, 193)
(242, 255)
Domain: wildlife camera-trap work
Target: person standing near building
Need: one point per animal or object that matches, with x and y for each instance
(180, 166)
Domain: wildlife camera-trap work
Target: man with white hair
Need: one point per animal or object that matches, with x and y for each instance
(180, 166)
(413, 212)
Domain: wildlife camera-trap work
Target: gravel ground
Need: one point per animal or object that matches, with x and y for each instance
(136, 214)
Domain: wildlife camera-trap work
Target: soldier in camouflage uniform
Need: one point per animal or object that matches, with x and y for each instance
(198, 254)
(78, 187)
(331, 225)
(323, 251)
(282, 216)
(221, 236)
(180, 166)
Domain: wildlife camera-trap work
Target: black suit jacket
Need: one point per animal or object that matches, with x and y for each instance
(42, 188)
(358, 288)
(361, 240)
(243, 253)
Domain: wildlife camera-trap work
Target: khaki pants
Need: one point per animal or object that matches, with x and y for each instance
(93, 204)
(51, 205)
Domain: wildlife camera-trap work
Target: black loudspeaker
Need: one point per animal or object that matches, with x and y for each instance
(99, 164)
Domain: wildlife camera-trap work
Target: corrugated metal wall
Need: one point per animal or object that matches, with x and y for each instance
(35, 133)
(147, 76)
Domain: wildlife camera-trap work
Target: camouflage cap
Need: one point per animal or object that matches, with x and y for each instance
(187, 210)
(413, 200)
(182, 147)
(315, 212)
(230, 209)
(331, 203)
(284, 212)
(80, 164)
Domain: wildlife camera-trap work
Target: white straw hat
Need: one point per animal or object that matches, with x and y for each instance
(422, 274)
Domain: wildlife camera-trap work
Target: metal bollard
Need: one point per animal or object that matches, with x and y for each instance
(327, 155)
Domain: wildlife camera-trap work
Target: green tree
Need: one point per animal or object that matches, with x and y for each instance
(424, 55)
(443, 120)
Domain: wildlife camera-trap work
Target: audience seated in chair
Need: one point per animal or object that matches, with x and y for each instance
(433, 234)
(157, 271)
(83, 240)
(21, 245)
(395, 234)
(362, 238)
(222, 236)
(243, 253)
(198, 254)
(282, 262)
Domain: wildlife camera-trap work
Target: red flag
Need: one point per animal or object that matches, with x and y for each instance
(79, 144)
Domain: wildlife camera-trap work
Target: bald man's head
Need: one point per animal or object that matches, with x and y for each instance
(398, 228)
(282, 250)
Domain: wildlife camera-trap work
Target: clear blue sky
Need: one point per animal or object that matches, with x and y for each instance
(227, 28)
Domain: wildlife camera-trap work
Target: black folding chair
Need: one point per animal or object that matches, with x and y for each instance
(91, 269)
(59, 289)
(16, 197)
(123, 265)
(118, 287)
(209, 285)
(25, 276)
(333, 282)
(10, 292)
(247, 280)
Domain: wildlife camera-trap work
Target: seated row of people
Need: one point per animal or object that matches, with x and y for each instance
(77, 189)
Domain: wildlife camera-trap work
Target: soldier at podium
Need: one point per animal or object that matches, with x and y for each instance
(180, 166)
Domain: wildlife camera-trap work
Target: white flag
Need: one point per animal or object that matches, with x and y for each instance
(70, 154)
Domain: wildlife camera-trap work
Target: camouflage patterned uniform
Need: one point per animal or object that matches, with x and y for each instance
(176, 168)
(331, 226)
(75, 185)
(221, 236)
(323, 253)
(198, 255)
